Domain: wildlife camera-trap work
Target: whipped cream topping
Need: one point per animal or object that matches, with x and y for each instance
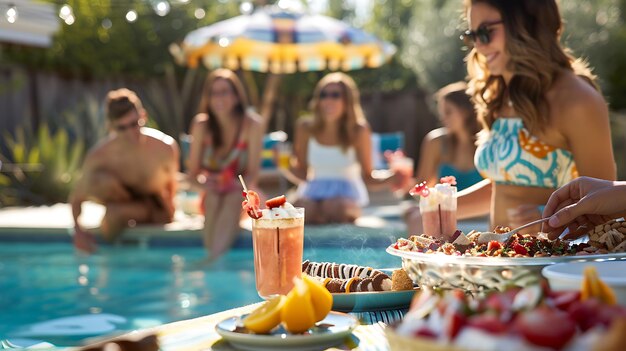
(443, 195)
(285, 211)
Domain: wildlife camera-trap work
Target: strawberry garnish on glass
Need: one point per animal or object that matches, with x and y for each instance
(251, 204)
(420, 189)
(252, 201)
(448, 180)
(276, 201)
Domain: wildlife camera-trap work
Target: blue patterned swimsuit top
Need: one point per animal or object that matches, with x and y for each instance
(510, 155)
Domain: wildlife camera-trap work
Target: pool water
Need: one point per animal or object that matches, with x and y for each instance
(51, 294)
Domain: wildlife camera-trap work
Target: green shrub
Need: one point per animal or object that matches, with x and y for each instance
(41, 168)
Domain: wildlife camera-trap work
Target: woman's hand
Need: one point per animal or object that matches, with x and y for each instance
(582, 204)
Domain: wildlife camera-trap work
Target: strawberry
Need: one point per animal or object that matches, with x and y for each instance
(420, 189)
(488, 322)
(448, 179)
(520, 250)
(494, 245)
(546, 327)
(564, 299)
(251, 204)
(276, 201)
(426, 333)
(453, 322)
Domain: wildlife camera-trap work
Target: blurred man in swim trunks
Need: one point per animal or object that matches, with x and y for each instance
(132, 172)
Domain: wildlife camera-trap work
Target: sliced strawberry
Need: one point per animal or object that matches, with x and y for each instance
(448, 179)
(546, 327)
(488, 322)
(276, 201)
(253, 212)
(501, 301)
(426, 333)
(520, 250)
(253, 198)
(453, 324)
(564, 299)
(494, 245)
(420, 189)
(592, 313)
(251, 204)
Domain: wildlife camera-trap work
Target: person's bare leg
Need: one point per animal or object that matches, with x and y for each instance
(340, 210)
(212, 203)
(228, 217)
(312, 211)
(118, 215)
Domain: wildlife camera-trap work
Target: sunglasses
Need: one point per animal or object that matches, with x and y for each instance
(482, 33)
(130, 125)
(330, 94)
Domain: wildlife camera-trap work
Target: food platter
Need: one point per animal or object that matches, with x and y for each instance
(477, 274)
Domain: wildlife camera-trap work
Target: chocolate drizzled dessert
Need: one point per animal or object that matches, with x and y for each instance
(341, 278)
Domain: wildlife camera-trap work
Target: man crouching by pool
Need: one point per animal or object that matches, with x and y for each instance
(132, 172)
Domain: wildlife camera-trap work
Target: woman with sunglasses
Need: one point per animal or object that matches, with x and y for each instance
(544, 119)
(226, 142)
(332, 150)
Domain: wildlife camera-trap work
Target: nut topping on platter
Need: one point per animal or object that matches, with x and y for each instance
(607, 238)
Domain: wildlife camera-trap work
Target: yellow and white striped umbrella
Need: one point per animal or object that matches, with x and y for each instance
(277, 40)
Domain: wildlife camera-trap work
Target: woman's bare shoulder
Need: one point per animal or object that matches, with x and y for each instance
(436, 135)
(573, 96)
(200, 119)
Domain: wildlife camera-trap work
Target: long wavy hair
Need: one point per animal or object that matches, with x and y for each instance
(239, 112)
(353, 116)
(533, 30)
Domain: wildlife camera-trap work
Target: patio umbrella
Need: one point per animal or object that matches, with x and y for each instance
(279, 40)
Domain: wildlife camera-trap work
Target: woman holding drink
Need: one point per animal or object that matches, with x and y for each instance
(226, 141)
(333, 163)
(544, 119)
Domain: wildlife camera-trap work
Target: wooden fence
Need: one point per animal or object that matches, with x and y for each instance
(29, 98)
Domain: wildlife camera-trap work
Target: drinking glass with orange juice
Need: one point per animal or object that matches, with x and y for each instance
(284, 154)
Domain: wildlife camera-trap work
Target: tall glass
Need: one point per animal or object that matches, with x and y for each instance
(404, 166)
(438, 211)
(284, 154)
(278, 245)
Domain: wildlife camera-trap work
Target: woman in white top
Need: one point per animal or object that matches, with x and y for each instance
(332, 162)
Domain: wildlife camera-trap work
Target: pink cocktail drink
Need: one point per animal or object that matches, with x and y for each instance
(278, 245)
(438, 211)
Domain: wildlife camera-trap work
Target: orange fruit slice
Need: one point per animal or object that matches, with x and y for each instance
(594, 287)
(321, 298)
(266, 317)
(297, 313)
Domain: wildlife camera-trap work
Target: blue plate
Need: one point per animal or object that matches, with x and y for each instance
(372, 301)
(330, 331)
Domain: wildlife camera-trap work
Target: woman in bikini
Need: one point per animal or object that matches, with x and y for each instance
(333, 163)
(544, 120)
(448, 151)
(226, 142)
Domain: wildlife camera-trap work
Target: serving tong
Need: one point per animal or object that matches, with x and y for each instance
(489, 236)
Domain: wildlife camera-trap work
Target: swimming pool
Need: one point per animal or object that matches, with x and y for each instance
(51, 294)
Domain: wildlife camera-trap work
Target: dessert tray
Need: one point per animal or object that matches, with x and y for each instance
(477, 274)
